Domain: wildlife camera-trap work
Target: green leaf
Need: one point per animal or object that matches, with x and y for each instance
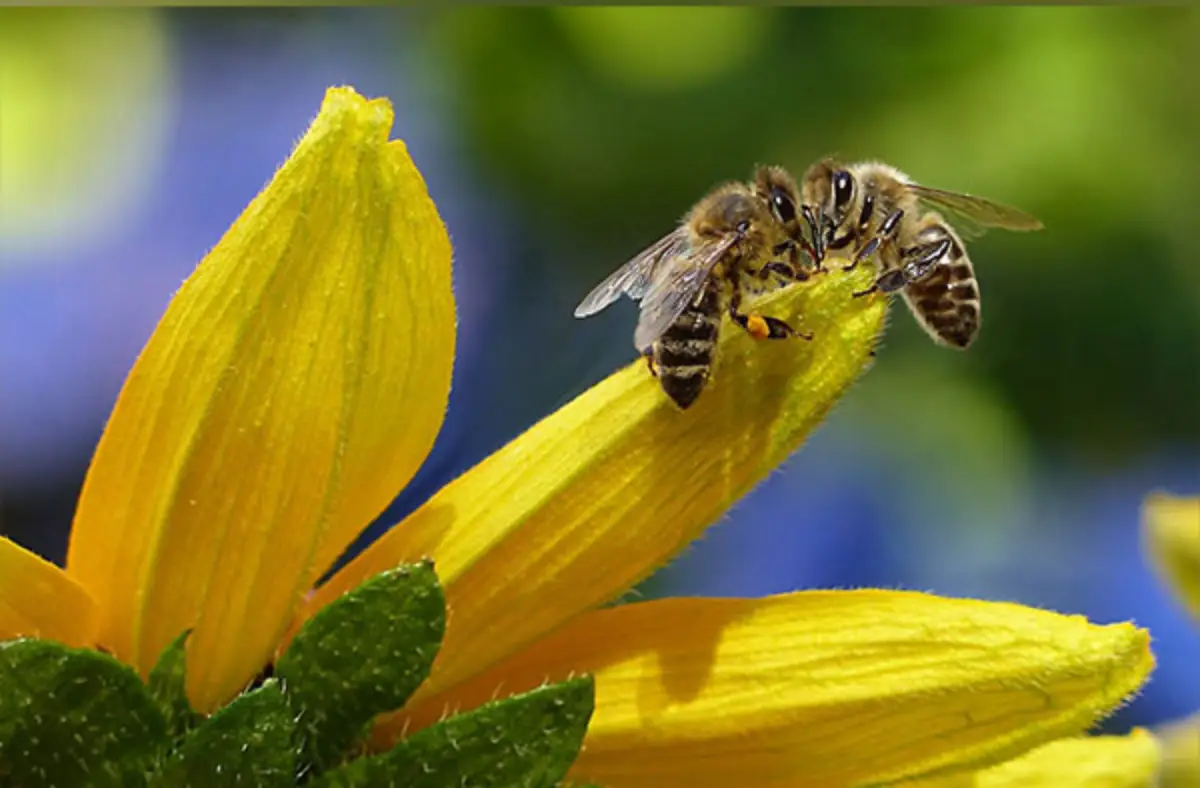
(362, 655)
(249, 742)
(526, 741)
(74, 717)
(166, 684)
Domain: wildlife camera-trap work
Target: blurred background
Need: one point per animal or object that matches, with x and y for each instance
(559, 142)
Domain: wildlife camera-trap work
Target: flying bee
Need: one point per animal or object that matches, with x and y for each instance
(741, 237)
(919, 252)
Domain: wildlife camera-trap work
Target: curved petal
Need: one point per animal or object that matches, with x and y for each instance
(37, 599)
(596, 496)
(1131, 761)
(1171, 532)
(817, 688)
(294, 385)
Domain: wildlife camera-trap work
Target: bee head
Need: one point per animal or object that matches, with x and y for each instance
(776, 187)
(831, 187)
(731, 210)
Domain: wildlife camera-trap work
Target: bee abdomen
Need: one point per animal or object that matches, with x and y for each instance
(947, 305)
(684, 356)
(684, 352)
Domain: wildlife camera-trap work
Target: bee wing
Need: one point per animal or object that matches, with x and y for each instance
(633, 277)
(675, 285)
(972, 215)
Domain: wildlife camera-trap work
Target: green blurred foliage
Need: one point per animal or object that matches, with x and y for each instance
(608, 123)
(73, 82)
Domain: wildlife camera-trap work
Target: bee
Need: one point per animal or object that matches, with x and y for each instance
(741, 237)
(918, 251)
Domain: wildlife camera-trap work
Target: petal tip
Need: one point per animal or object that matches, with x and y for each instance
(343, 104)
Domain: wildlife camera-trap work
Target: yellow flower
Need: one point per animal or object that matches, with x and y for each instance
(1166, 758)
(1171, 535)
(296, 383)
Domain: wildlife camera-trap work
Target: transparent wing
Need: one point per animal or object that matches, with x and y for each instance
(675, 285)
(972, 215)
(634, 277)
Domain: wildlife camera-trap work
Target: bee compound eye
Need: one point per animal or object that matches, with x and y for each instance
(785, 209)
(842, 187)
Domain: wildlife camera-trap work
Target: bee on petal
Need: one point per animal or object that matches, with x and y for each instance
(884, 214)
(739, 239)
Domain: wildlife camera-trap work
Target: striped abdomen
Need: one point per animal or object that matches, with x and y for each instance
(683, 355)
(946, 302)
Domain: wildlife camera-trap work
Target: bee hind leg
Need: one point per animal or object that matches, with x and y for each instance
(921, 263)
(762, 326)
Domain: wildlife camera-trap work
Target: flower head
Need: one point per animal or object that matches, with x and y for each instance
(296, 383)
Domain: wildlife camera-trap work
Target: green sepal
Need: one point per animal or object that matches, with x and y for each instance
(363, 654)
(250, 742)
(74, 717)
(166, 683)
(526, 741)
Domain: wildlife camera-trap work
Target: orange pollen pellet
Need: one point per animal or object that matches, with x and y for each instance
(757, 327)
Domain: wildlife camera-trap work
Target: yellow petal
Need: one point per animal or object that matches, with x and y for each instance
(1079, 762)
(817, 688)
(596, 496)
(1172, 536)
(294, 385)
(1181, 753)
(37, 599)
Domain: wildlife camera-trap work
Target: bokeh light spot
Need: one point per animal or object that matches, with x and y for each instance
(85, 97)
(664, 49)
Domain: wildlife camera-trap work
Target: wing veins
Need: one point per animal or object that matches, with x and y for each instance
(634, 277)
(675, 286)
(977, 213)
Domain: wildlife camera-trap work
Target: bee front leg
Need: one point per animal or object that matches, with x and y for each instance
(816, 249)
(784, 270)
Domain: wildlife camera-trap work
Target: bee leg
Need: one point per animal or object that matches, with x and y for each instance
(840, 243)
(761, 326)
(860, 230)
(783, 267)
(778, 329)
(648, 354)
(816, 249)
(924, 258)
(764, 327)
(888, 282)
(887, 232)
(784, 270)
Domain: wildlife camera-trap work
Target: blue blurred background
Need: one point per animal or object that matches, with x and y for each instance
(558, 142)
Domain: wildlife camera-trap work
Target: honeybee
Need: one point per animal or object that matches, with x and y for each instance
(741, 237)
(919, 252)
